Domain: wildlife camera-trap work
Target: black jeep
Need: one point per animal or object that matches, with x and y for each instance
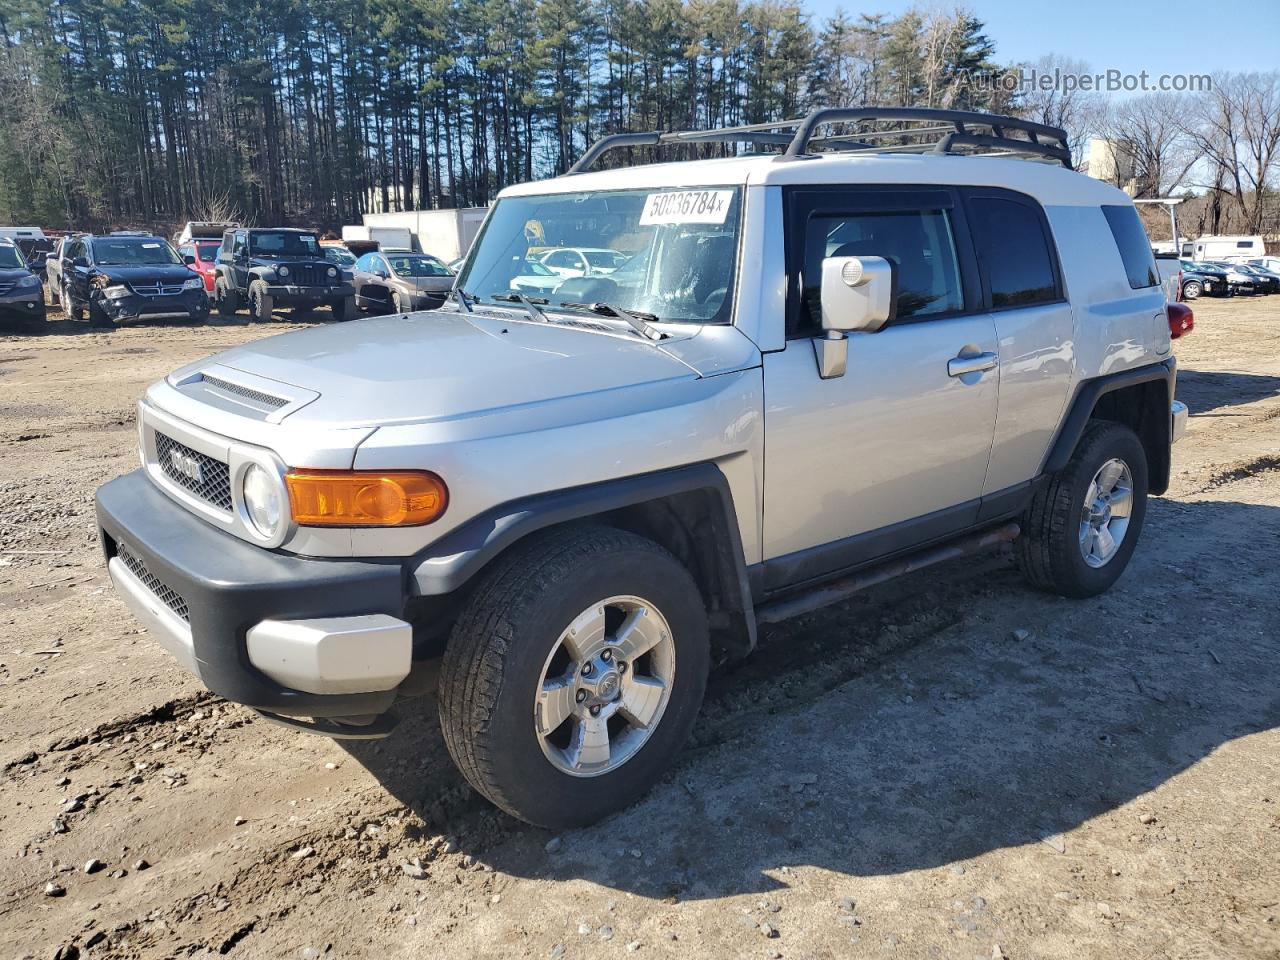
(264, 268)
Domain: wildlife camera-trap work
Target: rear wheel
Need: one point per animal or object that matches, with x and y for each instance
(261, 303)
(1083, 525)
(574, 675)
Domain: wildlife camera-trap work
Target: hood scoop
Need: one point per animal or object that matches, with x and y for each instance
(244, 394)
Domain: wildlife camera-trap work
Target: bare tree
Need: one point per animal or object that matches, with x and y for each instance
(1149, 131)
(1082, 113)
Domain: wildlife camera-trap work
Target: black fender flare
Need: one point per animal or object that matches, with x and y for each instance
(1085, 401)
(448, 564)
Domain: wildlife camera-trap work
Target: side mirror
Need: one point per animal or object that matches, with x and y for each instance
(858, 295)
(188, 259)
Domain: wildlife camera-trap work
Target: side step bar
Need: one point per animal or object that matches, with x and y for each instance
(837, 590)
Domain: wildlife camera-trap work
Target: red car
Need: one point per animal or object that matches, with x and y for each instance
(202, 257)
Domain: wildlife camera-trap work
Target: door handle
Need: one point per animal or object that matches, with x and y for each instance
(959, 366)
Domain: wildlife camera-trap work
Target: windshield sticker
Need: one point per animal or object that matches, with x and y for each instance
(151, 246)
(686, 206)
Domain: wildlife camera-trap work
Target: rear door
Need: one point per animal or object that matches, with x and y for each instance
(894, 452)
(1022, 284)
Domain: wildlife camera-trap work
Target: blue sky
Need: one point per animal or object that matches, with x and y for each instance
(1168, 37)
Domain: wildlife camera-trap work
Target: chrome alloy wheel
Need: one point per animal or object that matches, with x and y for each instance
(604, 686)
(1104, 519)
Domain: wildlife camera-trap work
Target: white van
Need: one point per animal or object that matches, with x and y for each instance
(21, 233)
(1236, 249)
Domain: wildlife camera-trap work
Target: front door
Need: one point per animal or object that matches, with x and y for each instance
(895, 451)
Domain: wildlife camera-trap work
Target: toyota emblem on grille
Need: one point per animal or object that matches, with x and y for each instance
(187, 465)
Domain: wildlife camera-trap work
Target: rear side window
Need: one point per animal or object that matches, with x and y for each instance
(1014, 251)
(1135, 248)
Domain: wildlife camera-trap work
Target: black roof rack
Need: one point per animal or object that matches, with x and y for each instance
(946, 132)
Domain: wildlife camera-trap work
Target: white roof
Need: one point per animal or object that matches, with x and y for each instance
(1051, 184)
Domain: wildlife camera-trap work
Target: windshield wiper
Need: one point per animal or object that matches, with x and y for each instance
(640, 322)
(463, 298)
(529, 303)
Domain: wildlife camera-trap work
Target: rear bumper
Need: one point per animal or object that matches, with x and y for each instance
(283, 634)
(1180, 414)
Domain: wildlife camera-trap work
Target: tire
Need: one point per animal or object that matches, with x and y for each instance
(343, 309)
(261, 303)
(510, 634)
(228, 300)
(70, 308)
(55, 298)
(1051, 550)
(397, 302)
(1191, 290)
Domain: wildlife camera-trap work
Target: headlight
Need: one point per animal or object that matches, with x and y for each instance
(117, 292)
(282, 271)
(333, 271)
(195, 283)
(263, 500)
(30, 280)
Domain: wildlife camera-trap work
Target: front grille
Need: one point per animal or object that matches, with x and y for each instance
(307, 275)
(157, 289)
(164, 593)
(257, 396)
(206, 477)
(6, 287)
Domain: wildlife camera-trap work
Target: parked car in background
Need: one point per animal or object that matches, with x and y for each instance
(53, 269)
(202, 257)
(582, 261)
(1264, 280)
(1238, 282)
(401, 282)
(1199, 279)
(337, 254)
(535, 278)
(269, 267)
(1267, 263)
(120, 278)
(21, 292)
(36, 250)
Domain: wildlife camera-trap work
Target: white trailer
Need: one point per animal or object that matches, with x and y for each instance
(1234, 249)
(446, 234)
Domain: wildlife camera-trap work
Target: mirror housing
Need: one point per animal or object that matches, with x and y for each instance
(858, 295)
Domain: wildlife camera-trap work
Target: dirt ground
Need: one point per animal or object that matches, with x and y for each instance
(950, 766)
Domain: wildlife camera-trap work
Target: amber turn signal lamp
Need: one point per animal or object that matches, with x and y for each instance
(357, 498)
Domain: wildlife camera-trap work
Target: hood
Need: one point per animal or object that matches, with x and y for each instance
(443, 365)
(147, 273)
(11, 274)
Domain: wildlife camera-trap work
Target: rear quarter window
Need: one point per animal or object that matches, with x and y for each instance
(1014, 250)
(1135, 248)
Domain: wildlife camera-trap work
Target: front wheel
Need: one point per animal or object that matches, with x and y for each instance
(574, 675)
(1082, 526)
(261, 303)
(1191, 290)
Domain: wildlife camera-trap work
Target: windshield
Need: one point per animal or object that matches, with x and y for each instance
(340, 255)
(420, 266)
(670, 253)
(129, 251)
(284, 243)
(10, 258)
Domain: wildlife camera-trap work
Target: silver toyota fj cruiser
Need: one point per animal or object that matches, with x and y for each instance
(806, 369)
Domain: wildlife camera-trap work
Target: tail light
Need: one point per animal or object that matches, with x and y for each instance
(1181, 320)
